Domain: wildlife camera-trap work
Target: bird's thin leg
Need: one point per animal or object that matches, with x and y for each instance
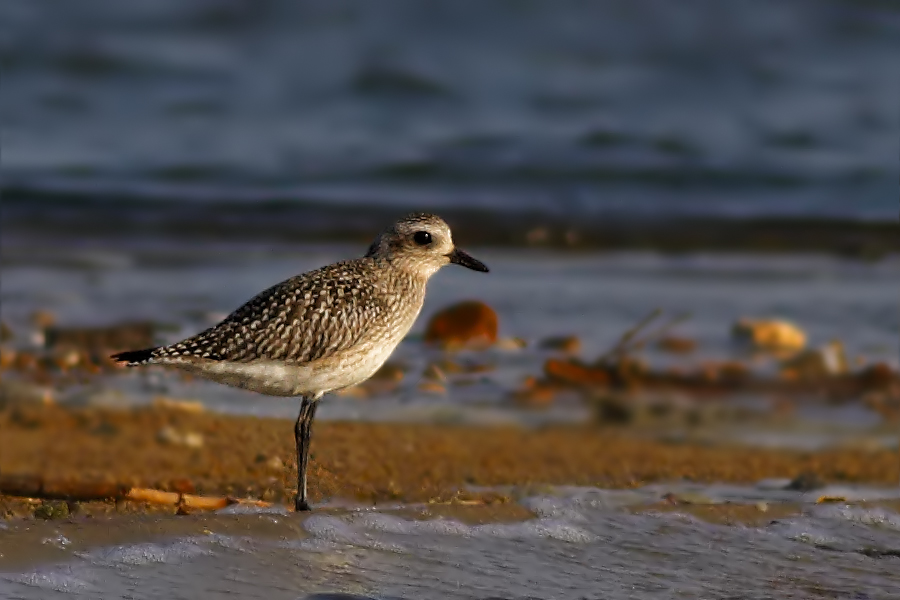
(302, 433)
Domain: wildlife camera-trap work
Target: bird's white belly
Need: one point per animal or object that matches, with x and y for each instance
(277, 378)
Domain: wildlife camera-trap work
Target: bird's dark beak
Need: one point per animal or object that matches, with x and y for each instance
(459, 257)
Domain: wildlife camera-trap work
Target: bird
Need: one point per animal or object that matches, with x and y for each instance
(321, 331)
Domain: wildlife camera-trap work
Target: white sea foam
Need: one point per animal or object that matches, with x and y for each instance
(58, 578)
(149, 553)
(370, 530)
(339, 531)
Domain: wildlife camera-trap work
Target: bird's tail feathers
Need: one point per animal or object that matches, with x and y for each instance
(134, 357)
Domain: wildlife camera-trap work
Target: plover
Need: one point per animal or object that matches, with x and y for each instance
(321, 331)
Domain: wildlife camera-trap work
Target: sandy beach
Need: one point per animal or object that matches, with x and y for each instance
(375, 463)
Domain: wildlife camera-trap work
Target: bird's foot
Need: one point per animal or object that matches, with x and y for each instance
(301, 505)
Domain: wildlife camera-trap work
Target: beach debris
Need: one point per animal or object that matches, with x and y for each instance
(822, 373)
(654, 408)
(769, 334)
(566, 344)
(674, 344)
(467, 324)
(188, 406)
(629, 343)
(535, 393)
(434, 373)
(51, 509)
(878, 384)
(879, 376)
(576, 373)
(32, 486)
(829, 360)
(732, 371)
(829, 499)
(510, 344)
(171, 436)
(432, 387)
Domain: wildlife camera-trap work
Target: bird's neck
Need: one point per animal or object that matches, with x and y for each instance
(408, 268)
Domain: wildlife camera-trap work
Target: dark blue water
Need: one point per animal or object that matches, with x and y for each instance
(744, 108)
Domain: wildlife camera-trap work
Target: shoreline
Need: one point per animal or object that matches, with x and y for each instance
(62, 215)
(373, 463)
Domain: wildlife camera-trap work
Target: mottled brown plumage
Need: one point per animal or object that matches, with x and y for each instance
(323, 330)
(307, 317)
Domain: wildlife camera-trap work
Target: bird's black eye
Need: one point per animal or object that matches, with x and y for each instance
(422, 238)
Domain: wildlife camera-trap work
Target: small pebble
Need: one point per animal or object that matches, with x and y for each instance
(510, 344)
(190, 406)
(49, 510)
(170, 435)
(193, 440)
(432, 387)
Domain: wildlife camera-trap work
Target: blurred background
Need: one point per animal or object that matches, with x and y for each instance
(690, 213)
(164, 161)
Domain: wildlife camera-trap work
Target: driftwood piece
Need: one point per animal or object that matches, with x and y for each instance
(621, 346)
(34, 486)
(629, 343)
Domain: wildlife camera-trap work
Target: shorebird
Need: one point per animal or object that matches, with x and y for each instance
(320, 331)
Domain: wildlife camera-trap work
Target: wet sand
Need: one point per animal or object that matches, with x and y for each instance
(374, 463)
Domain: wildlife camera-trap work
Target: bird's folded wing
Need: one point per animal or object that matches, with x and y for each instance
(307, 317)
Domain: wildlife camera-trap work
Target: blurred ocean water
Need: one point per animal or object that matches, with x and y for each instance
(744, 108)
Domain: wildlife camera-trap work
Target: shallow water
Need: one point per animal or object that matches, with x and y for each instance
(583, 543)
(596, 297)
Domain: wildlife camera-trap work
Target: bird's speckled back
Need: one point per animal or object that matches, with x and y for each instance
(312, 316)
